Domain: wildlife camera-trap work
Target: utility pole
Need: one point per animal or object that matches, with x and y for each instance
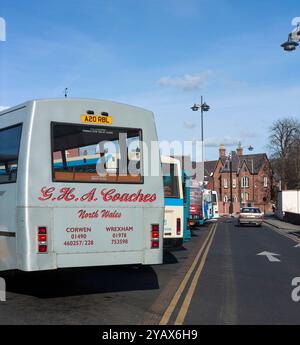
(204, 108)
(251, 148)
(230, 169)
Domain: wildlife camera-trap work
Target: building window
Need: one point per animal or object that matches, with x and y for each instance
(234, 183)
(245, 182)
(245, 197)
(265, 182)
(225, 183)
(226, 199)
(235, 199)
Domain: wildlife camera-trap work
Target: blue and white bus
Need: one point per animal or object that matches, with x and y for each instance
(174, 202)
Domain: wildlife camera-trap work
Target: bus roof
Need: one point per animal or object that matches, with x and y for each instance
(66, 101)
(168, 160)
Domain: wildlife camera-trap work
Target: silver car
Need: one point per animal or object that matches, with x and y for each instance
(250, 216)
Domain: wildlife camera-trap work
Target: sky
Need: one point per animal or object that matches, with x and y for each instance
(162, 55)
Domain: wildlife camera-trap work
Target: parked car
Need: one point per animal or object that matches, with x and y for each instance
(250, 216)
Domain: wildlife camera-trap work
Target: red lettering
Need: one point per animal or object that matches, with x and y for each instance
(109, 214)
(89, 196)
(47, 193)
(107, 195)
(111, 195)
(66, 194)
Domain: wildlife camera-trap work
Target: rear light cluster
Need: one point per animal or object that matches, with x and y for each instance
(178, 226)
(42, 240)
(193, 209)
(155, 236)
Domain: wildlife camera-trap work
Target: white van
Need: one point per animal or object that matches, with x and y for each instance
(56, 209)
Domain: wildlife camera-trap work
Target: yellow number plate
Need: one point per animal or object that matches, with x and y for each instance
(97, 119)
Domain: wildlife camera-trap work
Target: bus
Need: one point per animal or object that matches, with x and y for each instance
(196, 204)
(207, 204)
(57, 208)
(215, 204)
(174, 202)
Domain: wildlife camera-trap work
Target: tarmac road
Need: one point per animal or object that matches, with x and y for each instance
(217, 278)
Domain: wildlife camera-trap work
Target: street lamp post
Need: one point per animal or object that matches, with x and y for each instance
(230, 170)
(250, 148)
(292, 43)
(204, 108)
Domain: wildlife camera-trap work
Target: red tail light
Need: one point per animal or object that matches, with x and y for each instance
(155, 227)
(43, 248)
(42, 230)
(155, 245)
(178, 226)
(155, 236)
(42, 239)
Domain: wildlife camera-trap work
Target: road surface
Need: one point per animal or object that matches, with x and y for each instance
(217, 278)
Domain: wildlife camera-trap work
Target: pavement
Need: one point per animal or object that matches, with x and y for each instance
(280, 224)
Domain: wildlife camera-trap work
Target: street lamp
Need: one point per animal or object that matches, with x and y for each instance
(204, 108)
(292, 43)
(230, 170)
(289, 45)
(251, 148)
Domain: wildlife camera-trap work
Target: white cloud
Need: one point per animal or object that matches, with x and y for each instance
(249, 134)
(2, 107)
(216, 142)
(187, 82)
(189, 125)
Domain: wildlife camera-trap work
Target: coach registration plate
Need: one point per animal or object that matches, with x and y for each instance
(97, 119)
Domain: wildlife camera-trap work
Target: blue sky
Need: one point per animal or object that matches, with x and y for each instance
(160, 55)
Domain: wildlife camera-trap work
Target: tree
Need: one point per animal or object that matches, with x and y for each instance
(284, 143)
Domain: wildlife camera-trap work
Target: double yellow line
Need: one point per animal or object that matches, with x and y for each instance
(188, 298)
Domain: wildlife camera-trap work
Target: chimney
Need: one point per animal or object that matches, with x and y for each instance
(239, 150)
(222, 151)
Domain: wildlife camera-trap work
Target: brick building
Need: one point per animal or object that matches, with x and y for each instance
(252, 180)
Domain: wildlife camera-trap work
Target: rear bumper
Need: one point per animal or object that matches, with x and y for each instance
(251, 221)
(76, 260)
(109, 259)
(173, 243)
